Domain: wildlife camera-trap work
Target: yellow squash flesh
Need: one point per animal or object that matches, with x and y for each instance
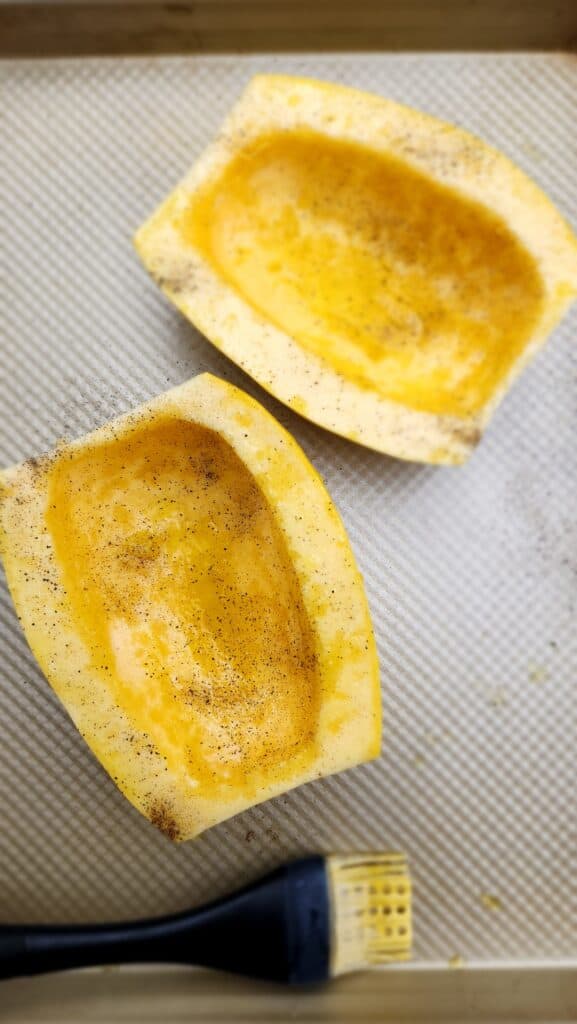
(188, 589)
(383, 273)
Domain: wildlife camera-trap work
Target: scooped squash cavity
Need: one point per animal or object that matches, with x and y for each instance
(187, 587)
(383, 273)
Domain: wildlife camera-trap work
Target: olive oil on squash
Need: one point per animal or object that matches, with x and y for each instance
(184, 592)
(397, 282)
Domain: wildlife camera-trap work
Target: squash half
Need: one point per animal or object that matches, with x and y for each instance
(383, 273)
(188, 589)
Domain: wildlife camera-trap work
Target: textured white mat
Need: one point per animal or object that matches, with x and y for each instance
(471, 573)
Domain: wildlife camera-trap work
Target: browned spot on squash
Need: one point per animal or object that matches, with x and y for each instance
(176, 283)
(37, 464)
(467, 434)
(162, 819)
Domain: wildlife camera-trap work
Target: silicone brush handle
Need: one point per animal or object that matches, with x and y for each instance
(276, 929)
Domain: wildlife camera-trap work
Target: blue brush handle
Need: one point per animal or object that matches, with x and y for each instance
(276, 929)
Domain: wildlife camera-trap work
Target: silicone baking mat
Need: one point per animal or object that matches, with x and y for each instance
(471, 572)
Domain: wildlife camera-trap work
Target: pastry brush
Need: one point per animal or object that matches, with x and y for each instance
(308, 921)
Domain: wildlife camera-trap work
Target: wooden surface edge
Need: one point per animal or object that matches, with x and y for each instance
(418, 994)
(68, 28)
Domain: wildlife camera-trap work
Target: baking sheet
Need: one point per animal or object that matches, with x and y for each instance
(471, 573)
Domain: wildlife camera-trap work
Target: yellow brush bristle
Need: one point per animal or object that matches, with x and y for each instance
(371, 910)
